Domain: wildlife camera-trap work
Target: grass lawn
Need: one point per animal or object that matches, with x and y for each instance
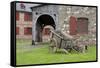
(28, 54)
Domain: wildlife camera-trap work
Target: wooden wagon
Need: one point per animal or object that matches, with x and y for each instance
(64, 42)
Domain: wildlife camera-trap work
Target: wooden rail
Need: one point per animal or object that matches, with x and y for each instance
(56, 34)
(65, 35)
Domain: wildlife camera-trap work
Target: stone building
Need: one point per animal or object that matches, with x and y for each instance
(23, 25)
(70, 19)
(23, 22)
(33, 21)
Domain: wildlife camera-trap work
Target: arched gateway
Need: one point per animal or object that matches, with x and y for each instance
(43, 15)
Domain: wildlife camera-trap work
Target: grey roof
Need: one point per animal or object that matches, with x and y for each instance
(27, 7)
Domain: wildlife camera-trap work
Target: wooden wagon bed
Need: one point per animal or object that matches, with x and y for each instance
(65, 42)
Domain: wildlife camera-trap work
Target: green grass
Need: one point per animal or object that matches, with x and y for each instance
(23, 42)
(27, 54)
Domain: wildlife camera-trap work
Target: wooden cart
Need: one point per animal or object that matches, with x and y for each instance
(60, 41)
(64, 42)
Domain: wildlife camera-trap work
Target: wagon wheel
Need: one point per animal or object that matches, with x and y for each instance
(53, 45)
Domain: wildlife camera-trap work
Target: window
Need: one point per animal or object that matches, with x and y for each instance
(82, 25)
(17, 30)
(27, 16)
(27, 31)
(17, 15)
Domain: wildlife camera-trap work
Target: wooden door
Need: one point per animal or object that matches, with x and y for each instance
(73, 25)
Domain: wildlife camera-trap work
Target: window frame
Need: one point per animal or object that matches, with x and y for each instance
(27, 30)
(27, 16)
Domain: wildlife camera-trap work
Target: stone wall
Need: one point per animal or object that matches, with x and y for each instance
(63, 14)
(89, 12)
(51, 10)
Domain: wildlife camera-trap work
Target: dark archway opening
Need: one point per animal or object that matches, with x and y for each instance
(43, 21)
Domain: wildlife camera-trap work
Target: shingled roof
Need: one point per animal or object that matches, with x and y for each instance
(25, 7)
